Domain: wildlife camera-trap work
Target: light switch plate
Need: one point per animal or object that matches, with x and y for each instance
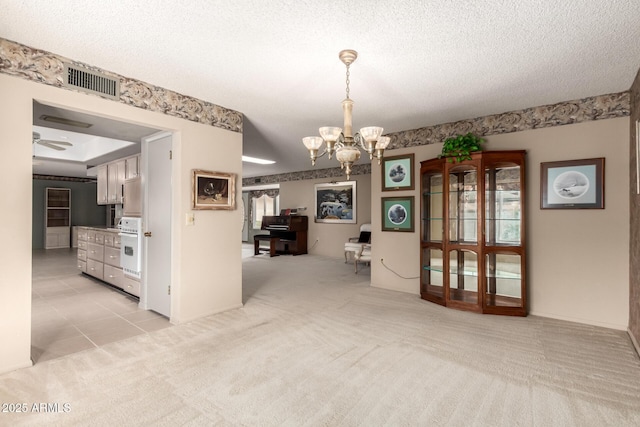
(191, 218)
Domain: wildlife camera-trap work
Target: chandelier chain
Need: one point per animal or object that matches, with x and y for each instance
(348, 81)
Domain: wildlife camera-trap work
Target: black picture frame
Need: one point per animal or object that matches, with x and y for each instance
(572, 184)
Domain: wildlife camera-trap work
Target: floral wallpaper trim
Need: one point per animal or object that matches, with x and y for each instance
(48, 68)
(563, 113)
(363, 169)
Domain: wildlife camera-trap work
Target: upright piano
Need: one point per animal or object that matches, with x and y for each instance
(287, 234)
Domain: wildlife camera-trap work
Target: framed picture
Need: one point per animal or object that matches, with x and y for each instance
(335, 202)
(213, 190)
(572, 184)
(397, 213)
(397, 173)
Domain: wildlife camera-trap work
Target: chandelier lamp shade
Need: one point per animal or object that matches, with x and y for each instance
(341, 141)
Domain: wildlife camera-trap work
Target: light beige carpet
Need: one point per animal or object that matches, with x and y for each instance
(314, 345)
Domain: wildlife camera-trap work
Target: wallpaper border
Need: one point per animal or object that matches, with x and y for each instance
(599, 107)
(48, 68)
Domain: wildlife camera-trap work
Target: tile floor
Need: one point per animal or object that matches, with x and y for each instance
(72, 312)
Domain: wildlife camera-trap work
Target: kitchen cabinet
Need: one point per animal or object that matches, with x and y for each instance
(132, 167)
(472, 244)
(101, 187)
(132, 203)
(82, 249)
(111, 177)
(57, 226)
(115, 174)
(131, 286)
(99, 256)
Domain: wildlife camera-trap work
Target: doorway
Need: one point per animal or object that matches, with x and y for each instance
(73, 312)
(245, 216)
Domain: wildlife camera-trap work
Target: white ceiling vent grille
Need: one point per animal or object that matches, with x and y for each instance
(91, 82)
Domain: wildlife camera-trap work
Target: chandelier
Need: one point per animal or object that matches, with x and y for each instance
(340, 140)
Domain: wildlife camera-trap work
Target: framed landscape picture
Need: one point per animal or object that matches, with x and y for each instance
(572, 184)
(335, 202)
(397, 213)
(213, 190)
(397, 173)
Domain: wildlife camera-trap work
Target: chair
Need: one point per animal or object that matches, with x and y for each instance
(363, 255)
(354, 245)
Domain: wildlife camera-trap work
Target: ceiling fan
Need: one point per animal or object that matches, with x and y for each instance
(56, 145)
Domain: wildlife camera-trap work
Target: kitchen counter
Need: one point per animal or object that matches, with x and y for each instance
(99, 228)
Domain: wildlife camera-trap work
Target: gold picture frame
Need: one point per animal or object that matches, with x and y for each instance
(213, 190)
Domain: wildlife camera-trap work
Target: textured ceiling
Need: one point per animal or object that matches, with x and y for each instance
(420, 62)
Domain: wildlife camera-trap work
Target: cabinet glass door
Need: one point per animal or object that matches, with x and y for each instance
(503, 206)
(503, 230)
(432, 207)
(463, 205)
(463, 276)
(432, 280)
(504, 280)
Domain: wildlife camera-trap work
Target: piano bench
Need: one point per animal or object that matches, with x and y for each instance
(273, 241)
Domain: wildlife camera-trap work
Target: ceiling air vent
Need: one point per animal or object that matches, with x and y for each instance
(91, 82)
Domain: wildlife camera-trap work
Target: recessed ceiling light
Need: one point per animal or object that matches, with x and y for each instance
(256, 160)
(64, 121)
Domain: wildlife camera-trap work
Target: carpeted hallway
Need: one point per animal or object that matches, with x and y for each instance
(314, 345)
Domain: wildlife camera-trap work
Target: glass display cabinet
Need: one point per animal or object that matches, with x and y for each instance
(472, 244)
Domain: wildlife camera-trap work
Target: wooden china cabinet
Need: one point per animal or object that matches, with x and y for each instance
(473, 233)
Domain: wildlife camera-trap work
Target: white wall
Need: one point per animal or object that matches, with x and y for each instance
(210, 251)
(330, 237)
(207, 274)
(578, 260)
